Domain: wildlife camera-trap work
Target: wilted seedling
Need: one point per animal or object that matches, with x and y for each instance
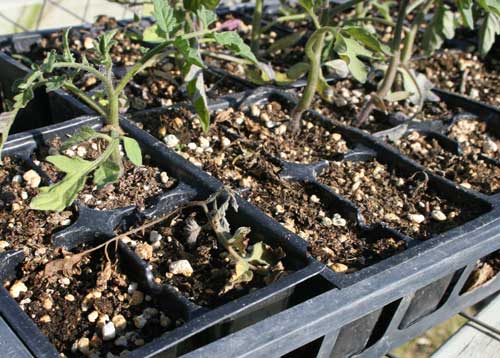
(261, 258)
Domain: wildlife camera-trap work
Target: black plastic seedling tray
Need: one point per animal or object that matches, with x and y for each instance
(45, 108)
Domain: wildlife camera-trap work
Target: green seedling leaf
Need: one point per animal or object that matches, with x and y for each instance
(297, 71)
(260, 255)
(207, 17)
(384, 8)
(85, 133)
(165, 18)
(324, 89)
(6, 120)
(133, 150)
(489, 29)
(349, 50)
(191, 55)
(108, 172)
(196, 90)
(235, 43)
(366, 38)
(465, 8)
(54, 83)
(67, 164)
(441, 27)
(150, 34)
(338, 67)
(307, 4)
(286, 41)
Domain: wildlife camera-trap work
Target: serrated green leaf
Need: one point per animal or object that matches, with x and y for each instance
(207, 17)
(196, 90)
(235, 43)
(165, 18)
(440, 28)
(67, 164)
(133, 150)
(84, 133)
(54, 83)
(191, 55)
(49, 61)
(286, 41)
(108, 172)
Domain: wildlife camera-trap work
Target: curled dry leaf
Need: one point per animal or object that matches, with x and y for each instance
(104, 276)
(66, 266)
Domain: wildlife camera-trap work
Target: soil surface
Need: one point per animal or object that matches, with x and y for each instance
(22, 228)
(137, 186)
(475, 137)
(209, 264)
(406, 204)
(239, 150)
(96, 310)
(468, 171)
(463, 72)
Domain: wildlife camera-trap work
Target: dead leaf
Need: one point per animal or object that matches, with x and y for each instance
(104, 276)
(66, 265)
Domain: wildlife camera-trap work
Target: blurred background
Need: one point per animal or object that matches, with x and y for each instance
(29, 15)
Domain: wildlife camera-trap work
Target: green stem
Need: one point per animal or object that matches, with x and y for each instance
(256, 25)
(313, 50)
(83, 96)
(368, 19)
(412, 34)
(391, 72)
(101, 77)
(281, 19)
(224, 57)
(343, 7)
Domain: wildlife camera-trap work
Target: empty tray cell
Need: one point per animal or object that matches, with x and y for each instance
(407, 204)
(184, 253)
(95, 309)
(477, 137)
(239, 135)
(469, 171)
(486, 270)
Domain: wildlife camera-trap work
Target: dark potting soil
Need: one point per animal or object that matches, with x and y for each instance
(209, 267)
(96, 310)
(236, 151)
(349, 97)
(407, 204)
(22, 228)
(463, 72)
(137, 186)
(475, 137)
(468, 171)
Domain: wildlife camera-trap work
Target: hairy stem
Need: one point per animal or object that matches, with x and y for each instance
(83, 96)
(313, 49)
(256, 25)
(391, 72)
